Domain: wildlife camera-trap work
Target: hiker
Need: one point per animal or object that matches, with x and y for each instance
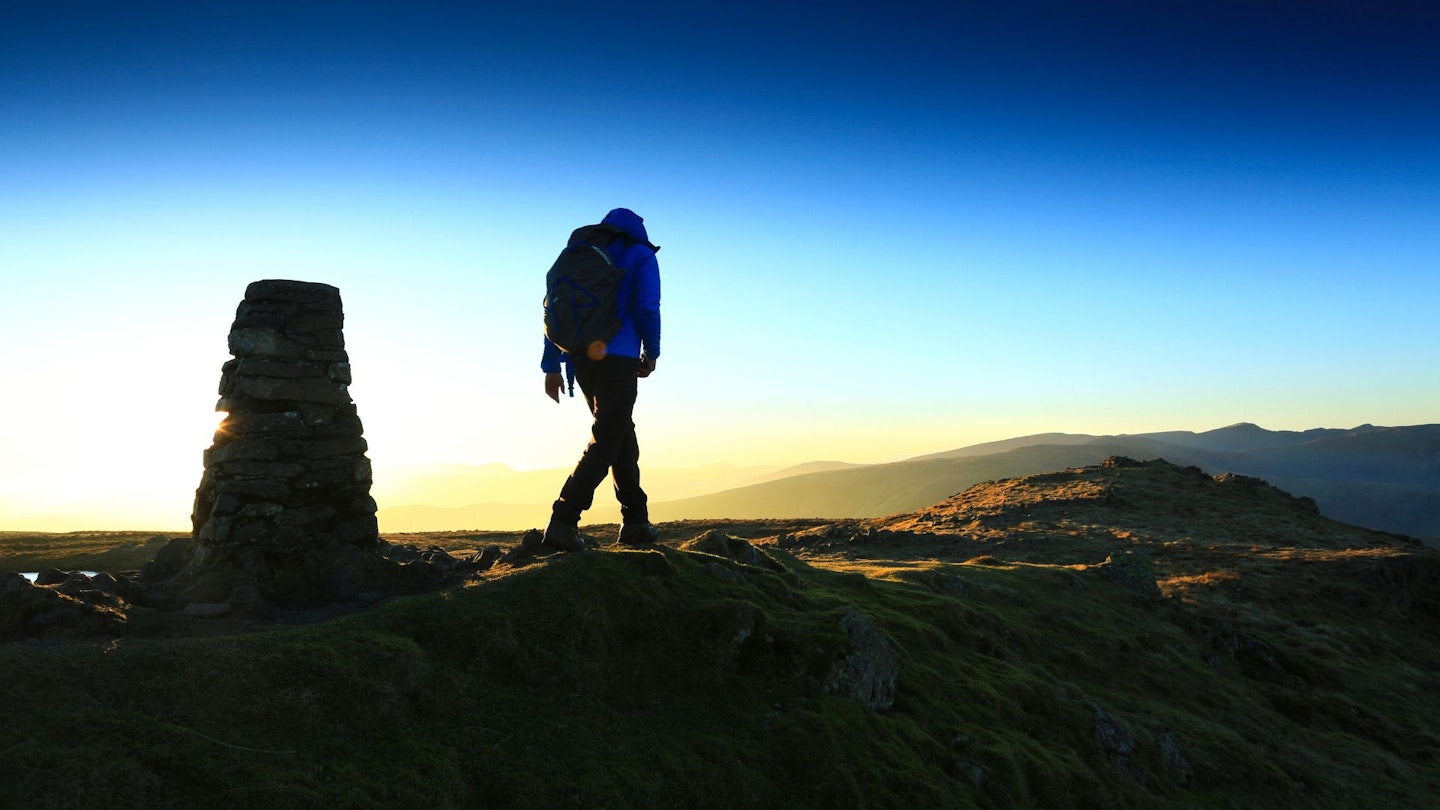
(608, 373)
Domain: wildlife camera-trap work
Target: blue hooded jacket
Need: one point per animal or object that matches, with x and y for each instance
(637, 299)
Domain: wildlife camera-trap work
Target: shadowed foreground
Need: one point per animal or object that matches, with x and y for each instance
(1135, 634)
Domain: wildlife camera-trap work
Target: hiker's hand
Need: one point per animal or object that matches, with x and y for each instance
(554, 382)
(646, 366)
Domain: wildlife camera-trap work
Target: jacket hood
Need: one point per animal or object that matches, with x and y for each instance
(628, 221)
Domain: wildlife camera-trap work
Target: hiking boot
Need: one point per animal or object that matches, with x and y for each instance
(638, 534)
(563, 536)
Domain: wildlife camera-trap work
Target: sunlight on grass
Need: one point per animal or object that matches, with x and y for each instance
(1282, 662)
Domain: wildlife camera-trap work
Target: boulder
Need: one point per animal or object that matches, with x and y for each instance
(105, 582)
(32, 612)
(13, 581)
(870, 668)
(731, 548)
(1133, 571)
(1114, 740)
(168, 562)
(1177, 767)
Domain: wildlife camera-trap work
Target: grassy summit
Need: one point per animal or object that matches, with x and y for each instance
(1133, 634)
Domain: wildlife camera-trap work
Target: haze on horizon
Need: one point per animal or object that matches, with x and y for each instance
(886, 233)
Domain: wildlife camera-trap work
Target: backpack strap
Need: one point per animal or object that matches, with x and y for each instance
(603, 235)
(598, 235)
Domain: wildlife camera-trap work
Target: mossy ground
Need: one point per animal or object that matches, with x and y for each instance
(669, 678)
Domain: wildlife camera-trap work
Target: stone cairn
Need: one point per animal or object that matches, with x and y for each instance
(283, 513)
(283, 521)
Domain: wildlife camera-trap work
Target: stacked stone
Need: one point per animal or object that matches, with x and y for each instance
(286, 481)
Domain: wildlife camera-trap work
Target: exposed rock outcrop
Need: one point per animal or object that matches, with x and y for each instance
(76, 606)
(870, 668)
(1114, 740)
(737, 549)
(1133, 570)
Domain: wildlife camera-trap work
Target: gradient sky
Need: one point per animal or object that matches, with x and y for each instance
(889, 229)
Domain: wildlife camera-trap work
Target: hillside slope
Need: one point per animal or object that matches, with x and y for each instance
(1132, 634)
(901, 486)
(1383, 478)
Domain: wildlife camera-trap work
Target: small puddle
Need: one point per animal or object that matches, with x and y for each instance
(31, 575)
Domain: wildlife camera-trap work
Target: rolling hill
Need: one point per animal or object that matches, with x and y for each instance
(1380, 477)
(1130, 634)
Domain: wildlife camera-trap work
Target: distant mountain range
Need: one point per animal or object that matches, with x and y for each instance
(1379, 477)
(1384, 478)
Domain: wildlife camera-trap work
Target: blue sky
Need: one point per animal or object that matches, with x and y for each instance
(888, 230)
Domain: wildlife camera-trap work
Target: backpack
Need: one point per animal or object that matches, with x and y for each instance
(580, 291)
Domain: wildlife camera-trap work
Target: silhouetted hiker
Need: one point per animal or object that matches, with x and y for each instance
(608, 373)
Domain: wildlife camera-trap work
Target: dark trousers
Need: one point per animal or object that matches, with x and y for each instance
(609, 386)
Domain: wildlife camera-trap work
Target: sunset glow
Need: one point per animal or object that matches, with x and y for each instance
(964, 225)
